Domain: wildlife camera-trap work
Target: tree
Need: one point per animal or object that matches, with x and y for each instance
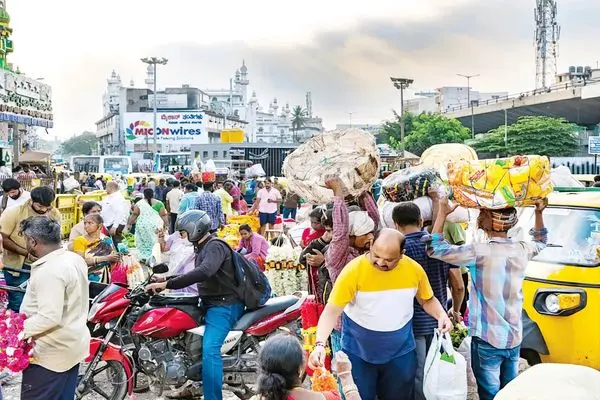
(80, 145)
(546, 136)
(298, 120)
(390, 131)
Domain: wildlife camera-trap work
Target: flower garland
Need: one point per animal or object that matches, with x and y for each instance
(284, 272)
(324, 381)
(15, 352)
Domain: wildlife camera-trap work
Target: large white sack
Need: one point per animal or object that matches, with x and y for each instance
(562, 177)
(554, 382)
(350, 154)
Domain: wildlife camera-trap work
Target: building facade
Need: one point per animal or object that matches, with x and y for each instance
(447, 98)
(25, 103)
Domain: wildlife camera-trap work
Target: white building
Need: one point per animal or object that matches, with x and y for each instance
(447, 98)
(270, 125)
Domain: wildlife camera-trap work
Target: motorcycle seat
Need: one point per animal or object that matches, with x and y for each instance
(161, 301)
(272, 306)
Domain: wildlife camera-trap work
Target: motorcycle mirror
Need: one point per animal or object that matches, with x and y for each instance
(161, 268)
(151, 262)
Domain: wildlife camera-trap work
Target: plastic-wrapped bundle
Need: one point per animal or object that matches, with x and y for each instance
(350, 154)
(496, 184)
(425, 204)
(409, 183)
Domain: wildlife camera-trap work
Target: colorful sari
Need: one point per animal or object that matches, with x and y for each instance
(96, 248)
(146, 225)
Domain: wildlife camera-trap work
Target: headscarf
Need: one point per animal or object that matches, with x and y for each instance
(360, 223)
(504, 220)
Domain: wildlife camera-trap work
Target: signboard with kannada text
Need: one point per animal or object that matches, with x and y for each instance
(186, 127)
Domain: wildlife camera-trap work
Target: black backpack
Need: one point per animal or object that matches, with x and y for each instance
(253, 286)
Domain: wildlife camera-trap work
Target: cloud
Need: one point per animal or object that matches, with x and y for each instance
(346, 68)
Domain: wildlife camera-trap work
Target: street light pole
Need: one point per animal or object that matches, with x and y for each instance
(350, 115)
(154, 61)
(401, 84)
(469, 100)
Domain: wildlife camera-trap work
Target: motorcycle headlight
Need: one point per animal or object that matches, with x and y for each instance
(559, 302)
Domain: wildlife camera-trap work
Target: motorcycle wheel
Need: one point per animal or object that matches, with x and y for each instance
(111, 386)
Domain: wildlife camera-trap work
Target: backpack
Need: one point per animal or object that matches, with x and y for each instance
(253, 286)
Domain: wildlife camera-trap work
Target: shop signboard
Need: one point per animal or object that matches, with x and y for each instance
(186, 127)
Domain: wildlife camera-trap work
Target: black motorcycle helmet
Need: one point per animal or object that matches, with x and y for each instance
(196, 223)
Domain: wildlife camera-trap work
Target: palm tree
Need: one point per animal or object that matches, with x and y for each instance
(298, 120)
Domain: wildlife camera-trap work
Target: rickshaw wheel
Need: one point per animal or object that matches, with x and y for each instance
(531, 356)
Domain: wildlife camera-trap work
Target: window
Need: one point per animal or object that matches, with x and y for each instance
(205, 155)
(215, 154)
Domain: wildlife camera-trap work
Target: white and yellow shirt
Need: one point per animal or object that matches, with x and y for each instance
(378, 307)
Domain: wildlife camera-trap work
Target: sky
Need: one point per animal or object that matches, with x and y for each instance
(343, 52)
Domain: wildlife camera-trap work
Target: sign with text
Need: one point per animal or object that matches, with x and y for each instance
(172, 128)
(594, 145)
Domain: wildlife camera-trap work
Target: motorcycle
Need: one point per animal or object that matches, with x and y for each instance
(161, 337)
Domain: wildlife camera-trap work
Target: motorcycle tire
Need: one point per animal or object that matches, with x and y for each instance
(118, 384)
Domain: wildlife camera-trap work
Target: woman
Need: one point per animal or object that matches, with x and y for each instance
(281, 365)
(316, 229)
(253, 246)
(96, 249)
(89, 207)
(148, 215)
(182, 258)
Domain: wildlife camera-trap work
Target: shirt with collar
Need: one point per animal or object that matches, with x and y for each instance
(115, 209)
(56, 304)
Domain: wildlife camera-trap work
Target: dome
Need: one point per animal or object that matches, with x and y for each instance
(4, 17)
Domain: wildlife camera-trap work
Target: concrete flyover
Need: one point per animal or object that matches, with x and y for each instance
(577, 104)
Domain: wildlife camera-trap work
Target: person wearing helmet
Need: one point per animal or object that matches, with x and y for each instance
(214, 273)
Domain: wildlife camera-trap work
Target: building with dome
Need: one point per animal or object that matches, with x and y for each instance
(25, 103)
(271, 124)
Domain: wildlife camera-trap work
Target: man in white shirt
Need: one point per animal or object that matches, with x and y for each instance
(267, 202)
(14, 194)
(173, 199)
(56, 304)
(115, 211)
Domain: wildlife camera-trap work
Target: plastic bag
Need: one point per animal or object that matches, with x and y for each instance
(561, 176)
(410, 183)
(445, 374)
(255, 171)
(501, 183)
(465, 350)
(118, 273)
(70, 184)
(439, 155)
(350, 154)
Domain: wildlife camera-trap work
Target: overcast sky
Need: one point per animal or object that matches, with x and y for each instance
(343, 51)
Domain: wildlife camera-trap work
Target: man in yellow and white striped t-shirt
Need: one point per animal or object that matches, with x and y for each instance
(374, 294)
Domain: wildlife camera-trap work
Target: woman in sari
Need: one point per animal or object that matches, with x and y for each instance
(148, 215)
(182, 257)
(96, 249)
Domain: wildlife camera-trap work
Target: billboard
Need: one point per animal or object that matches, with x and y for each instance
(173, 128)
(169, 101)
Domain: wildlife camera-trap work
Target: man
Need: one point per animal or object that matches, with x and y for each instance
(152, 185)
(224, 193)
(14, 194)
(188, 200)
(16, 254)
(211, 204)
(173, 199)
(5, 172)
(374, 294)
(455, 234)
(267, 204)
(215, 276)
(408, 221)
(56, 305)
(115, 212)
(497, 271)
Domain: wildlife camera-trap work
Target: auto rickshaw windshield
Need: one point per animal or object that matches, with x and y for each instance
(573, 235)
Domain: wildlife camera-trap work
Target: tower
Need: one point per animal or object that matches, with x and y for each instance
(309, 104)
(111, 98)
(547, 33)
(6, 44)
(242, 82)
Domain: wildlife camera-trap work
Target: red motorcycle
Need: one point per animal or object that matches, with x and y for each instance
(161, 337)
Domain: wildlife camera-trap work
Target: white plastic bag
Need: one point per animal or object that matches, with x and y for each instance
(70, 184)
(465, 350)
(255, 171)
(445, 375)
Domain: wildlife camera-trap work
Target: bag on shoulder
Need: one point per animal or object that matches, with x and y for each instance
(253, 286)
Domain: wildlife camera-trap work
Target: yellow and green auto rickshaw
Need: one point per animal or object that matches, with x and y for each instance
(561, 318)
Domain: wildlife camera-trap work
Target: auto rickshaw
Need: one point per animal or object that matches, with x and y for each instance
(561, 318)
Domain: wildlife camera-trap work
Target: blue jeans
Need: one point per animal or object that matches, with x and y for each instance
(289, 212)
(219, 320)
(423, 343)
(40, 383)
(336, 345)
(493, 368)
(394, 380)
(15, 298)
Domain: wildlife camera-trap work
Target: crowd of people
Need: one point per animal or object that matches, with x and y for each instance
(385, 291)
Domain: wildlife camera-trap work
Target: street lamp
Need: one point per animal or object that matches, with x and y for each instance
(154, 61)
(469, 100)
(401, 84)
